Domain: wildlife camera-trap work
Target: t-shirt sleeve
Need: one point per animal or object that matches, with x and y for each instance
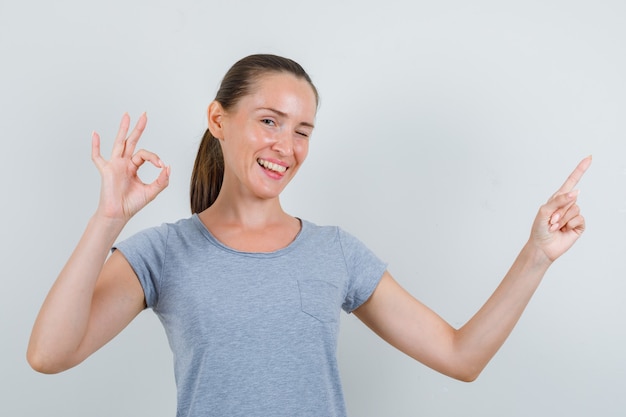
(364, 268)
(145, 252)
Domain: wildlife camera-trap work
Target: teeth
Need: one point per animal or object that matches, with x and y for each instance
(271, 166)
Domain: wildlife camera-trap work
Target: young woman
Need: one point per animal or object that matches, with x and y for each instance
(249, 295)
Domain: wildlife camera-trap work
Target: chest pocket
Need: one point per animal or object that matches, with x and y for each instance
(320, 299)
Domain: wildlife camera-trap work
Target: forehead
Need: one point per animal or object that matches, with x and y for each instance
(284, 92)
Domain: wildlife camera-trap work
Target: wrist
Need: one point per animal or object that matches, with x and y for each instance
(536, 256)
(112, 225)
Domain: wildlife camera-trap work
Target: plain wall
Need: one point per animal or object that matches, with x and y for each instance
(443, 127)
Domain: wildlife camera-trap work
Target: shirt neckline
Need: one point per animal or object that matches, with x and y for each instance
(304, 230)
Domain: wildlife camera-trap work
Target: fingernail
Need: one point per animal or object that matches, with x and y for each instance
(573, 194)
(554, 219)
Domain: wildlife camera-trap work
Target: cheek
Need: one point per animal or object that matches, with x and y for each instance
(301, 149)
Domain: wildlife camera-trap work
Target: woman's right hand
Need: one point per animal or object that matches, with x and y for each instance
(122, 192)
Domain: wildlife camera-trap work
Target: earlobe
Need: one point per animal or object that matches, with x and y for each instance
(215, 114)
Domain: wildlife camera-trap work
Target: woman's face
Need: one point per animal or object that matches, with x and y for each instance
(265, 137)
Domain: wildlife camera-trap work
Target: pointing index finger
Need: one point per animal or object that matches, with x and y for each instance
(575, 176)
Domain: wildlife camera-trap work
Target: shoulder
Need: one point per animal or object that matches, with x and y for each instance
(327, 231)
(315, 234)
(333, 236)
(162, 234)
(315, 229)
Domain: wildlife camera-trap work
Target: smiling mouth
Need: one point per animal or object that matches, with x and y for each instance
(271, 166)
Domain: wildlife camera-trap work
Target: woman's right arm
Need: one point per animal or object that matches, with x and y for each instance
(95, 296)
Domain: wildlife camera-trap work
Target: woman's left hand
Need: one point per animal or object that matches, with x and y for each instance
(559, 223)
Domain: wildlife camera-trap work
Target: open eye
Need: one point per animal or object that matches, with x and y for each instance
(268, 122)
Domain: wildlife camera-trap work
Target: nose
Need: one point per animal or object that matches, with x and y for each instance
(283, 144)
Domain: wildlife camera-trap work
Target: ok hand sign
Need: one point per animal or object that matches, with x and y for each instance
(122, 192)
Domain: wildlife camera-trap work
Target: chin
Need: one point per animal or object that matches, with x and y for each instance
(269, 194)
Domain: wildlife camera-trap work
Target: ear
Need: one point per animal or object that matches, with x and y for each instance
(215, 114)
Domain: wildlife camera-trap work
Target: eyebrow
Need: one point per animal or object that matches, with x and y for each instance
(283, 114)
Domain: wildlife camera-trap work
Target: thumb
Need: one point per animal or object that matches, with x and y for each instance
(159, 184)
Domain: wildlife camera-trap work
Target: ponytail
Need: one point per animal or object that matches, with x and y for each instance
(208, 173)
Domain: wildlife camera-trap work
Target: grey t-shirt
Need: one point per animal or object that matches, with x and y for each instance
(253, 334)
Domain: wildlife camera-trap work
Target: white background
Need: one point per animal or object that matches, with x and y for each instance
(442, 128)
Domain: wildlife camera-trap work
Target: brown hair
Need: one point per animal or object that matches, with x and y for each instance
(208, 169)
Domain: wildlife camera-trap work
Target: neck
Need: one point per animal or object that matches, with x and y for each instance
(251, 226)
(236, 205)
(246, 212)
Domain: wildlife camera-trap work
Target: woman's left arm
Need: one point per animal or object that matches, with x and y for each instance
(463, 353)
